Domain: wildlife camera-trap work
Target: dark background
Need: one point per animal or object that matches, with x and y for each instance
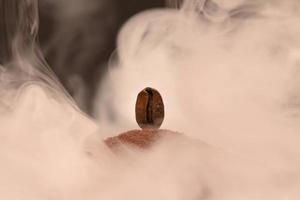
(78, 44)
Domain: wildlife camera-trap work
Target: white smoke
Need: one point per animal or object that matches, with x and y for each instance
(228, 73)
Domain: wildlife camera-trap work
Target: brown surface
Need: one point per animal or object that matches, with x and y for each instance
(138, 138)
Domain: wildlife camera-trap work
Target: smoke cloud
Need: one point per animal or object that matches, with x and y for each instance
(227, 71)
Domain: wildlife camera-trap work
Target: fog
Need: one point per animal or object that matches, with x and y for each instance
(227, 71)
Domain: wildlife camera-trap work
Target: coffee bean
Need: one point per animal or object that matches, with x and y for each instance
(149, 109)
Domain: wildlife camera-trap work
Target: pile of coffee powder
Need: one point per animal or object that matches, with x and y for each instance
(137, 138)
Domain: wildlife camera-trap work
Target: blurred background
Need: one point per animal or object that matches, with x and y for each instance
(78, 37)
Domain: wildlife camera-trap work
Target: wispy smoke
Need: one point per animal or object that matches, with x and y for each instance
(77, 38)
(228, 73)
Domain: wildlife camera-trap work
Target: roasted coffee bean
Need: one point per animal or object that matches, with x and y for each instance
(149, 109)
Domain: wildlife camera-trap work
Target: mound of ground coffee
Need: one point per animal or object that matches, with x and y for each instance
(137, 138)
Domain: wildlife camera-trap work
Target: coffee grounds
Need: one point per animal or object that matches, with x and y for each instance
(138, 138)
